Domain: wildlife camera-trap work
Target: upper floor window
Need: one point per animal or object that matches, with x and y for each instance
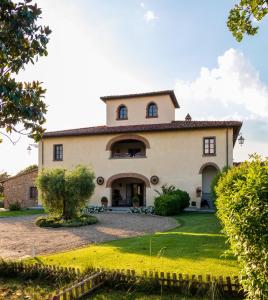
(209, 146)
(122, 112)
(58, 152)
(152, 111)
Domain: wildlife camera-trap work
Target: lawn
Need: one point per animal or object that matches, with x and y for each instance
(194, 247)
(19, 213)
(20, 289)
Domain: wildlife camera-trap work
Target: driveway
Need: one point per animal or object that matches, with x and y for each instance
(20, 237)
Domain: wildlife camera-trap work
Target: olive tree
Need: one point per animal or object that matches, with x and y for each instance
(65, 192)
(242, 203)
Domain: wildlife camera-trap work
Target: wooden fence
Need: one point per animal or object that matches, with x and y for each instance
(31, 271)
(82, 288)
(169, 281)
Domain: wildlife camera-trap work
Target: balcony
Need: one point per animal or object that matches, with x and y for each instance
(128, 149)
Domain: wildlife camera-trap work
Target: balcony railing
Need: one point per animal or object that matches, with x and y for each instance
(128, 155)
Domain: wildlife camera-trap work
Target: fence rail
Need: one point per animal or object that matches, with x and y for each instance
(228, 285)
(81, 284)
(82, 288)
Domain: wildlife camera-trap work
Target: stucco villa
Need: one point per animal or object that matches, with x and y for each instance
(142, 147)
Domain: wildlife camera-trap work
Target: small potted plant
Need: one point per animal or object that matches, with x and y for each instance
(135, 201)
(104, 201)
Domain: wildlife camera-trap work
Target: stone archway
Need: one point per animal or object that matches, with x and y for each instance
(123, 137)
(208, 171)
(125, 187)
(128, 175)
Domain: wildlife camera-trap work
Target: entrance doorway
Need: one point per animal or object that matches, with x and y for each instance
(208, 173)
(124, 189)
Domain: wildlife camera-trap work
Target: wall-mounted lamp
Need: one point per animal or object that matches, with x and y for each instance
(241, 139)
(29, 148)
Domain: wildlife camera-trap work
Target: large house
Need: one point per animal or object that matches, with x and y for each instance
(142, 147)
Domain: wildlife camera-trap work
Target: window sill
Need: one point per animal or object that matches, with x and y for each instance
(128, 157)
(57, 159)
(154, 117)
(117, 119)
(205, 155)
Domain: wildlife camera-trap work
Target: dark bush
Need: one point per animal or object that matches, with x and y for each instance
(242, 203)
(171, 203)
(1, 203)
(14, 206)
(56, 222)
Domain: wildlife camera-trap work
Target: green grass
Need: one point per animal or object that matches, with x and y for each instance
(21, 289)
(195, 247)
(23, 212)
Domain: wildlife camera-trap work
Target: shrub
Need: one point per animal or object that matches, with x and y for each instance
(65, 192)
(91, 209)
(171, 201)
(146, 210)
(242, 203)
(215, 181)
(1, 202)
(167, 205)
(14, 206)
(56, 222)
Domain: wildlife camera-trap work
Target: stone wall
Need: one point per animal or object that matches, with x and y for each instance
(17, 189)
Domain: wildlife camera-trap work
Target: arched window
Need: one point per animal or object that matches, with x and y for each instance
(152, 111)
(122, 112)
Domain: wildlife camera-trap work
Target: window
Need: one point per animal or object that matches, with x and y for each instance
(152, 110)
(133, 151)
(33, 192)
(209, 146)
(58, 152)
(122, 112)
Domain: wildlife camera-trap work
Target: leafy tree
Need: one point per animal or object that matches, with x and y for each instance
(22, 41)
(3, 176)
(241, 17)
(65, 192)
(242, 203)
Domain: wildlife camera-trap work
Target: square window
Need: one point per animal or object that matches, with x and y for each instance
(209, 146)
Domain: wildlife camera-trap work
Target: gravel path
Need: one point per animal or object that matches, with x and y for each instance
(20, 237)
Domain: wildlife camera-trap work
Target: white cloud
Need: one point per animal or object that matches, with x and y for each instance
(150, 16)
(233, 84)
(232, 90)
(142, 4)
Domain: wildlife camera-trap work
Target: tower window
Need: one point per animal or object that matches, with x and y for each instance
(122, 112)
(152, 111)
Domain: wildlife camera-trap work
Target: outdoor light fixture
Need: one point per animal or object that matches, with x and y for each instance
(29, 148)
(241, 139)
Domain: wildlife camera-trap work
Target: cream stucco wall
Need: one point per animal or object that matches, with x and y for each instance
(137, 110)
(174, 156)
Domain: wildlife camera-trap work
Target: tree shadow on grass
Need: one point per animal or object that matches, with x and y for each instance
(174, 245)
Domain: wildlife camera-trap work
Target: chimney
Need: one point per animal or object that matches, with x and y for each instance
(188, 118)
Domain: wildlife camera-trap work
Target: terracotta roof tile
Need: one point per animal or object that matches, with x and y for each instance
(175, 125)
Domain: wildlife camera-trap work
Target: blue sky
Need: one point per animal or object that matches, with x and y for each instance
(111, 47)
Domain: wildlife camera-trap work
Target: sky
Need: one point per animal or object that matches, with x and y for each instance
(107, 47)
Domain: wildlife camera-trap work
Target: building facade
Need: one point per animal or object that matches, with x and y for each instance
(142, 147)
(21, 189)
